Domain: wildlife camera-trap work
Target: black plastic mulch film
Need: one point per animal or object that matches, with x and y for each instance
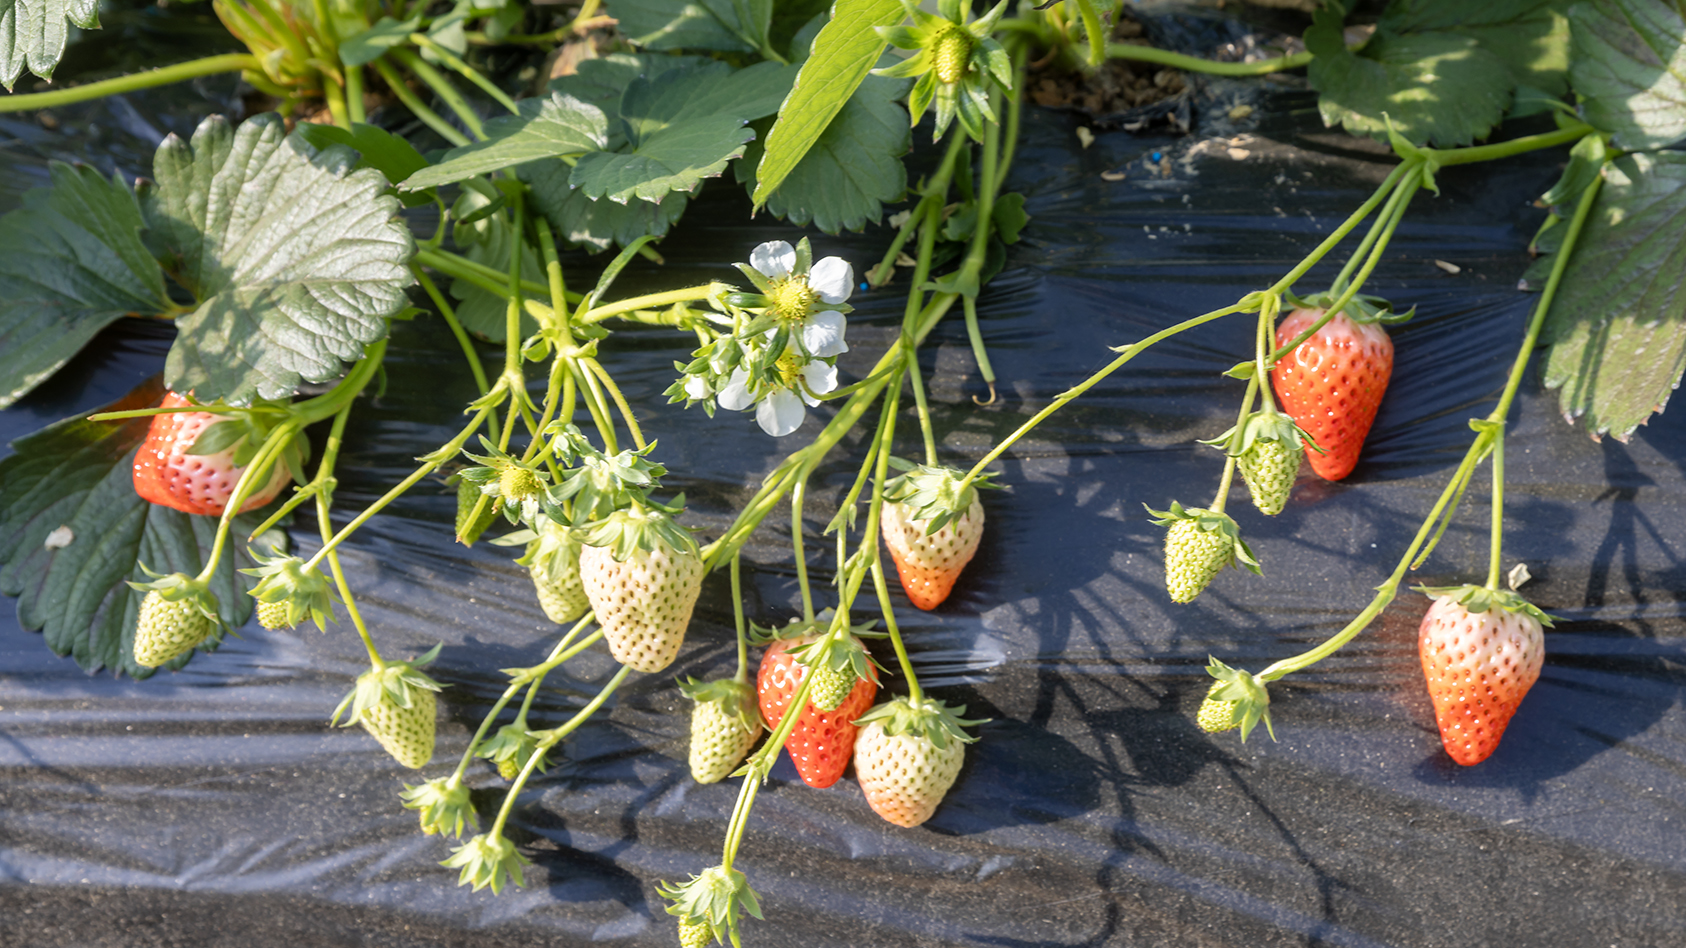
(214, 806)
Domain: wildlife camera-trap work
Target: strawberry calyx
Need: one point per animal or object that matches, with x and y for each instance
(510, 748)
(1211, 521)
(926, 718)
(937, 495)
(387, 683)
(1247, 700)
(713, 899)
(1362, 308)
(1479, 599)
(488, 860)
(552, 548)
(736, 699)
(1265, 425)
(521, 489)
(302, 593)
(442, 804)
(597, 484)
(639, 528)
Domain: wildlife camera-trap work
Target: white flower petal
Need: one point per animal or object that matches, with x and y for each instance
(781, 413)
(774, 258)
(820, 379)
(822, 334)
(735, 396)
(696, 387)
(833, 279)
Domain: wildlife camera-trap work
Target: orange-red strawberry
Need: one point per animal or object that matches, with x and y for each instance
(167, 473)
(1332, 384)
(1481, 650)
(907, 756)
(932, 522)
(821, 742)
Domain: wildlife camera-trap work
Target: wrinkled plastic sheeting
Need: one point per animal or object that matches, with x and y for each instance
(215, 806)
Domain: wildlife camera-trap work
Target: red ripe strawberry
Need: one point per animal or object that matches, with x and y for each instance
(1481, 651)
(1332, 384)
(166, 474)
(821, 743)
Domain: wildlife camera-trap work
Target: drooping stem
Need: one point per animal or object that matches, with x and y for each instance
(465, 70)
(442, 88)
(419, 109)
(549, 739)
(1263, 67)
(151, 78)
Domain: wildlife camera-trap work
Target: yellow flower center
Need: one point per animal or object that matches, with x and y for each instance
(792, 298)
(790, 369)
(518, 484)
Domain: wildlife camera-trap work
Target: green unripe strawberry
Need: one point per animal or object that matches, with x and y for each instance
(725, 724)
(1269, 468)
(563, 601)
(831, 686)
(1217, 715)
(1198, 544)
(273, 615)
(168, 629)
(405, 733)
(694, 932)
(950, 52)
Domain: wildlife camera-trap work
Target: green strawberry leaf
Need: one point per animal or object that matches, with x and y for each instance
(71, 263)
(1531, 37)
(1629, 66)
(597, 225)
(1439, 88)
(601, 82)
(73, 531)
(852, 170)
(550, 127)
(366, 47)
(1618, 331)
(681, 127)
(693, 24)
(847, 47)
(381, 150)
(33, 34)
(295, 259)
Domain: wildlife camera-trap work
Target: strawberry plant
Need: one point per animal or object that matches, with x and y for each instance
(284, 249)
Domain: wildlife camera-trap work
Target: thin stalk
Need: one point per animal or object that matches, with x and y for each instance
(798, 494)
(551, 738)
(354, 94)
(442, 88)
(418, 108)
(151, 78)
(465, 70)
(1389, 213)
(1263, 67)
(599, 408)
(1495, 554)
(470, 354)
(509, 695)
(620, 402)
(916, 379)
(742, 676)
(689, 294)
(1093, 30)
(488, 278)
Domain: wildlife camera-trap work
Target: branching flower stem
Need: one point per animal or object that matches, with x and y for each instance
(151, 78)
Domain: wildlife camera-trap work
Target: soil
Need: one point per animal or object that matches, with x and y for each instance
(1117, 87)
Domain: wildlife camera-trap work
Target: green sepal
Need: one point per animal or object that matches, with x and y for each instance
(928, 719)
(1479, 599)
(488, 860)
(180, 587)
(1246, 690)
(934, 492)
(387, 683)
(713, 898)
(600, 484)
(307, 593)
(1407, 151)
(521, 489)
(442, 805)
(845, 656)
(1263, 426)
(638, 528)
(736, 697)
(1362, 308)
(1211, 521)
(512, 744)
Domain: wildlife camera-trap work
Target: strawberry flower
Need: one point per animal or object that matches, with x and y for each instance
(780, 403)
(802, 297)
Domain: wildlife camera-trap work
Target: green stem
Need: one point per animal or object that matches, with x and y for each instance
(418, 108)
(799, 493)
(689, 294)
(1516, 146)
(620, 401)
(442, 88)
(1495, 553)
(490, 279)
(1098, 48)
(354, 94)
(151, 78)
(549, 740)
(742, 676)
(465, 70)
(1263, 67)
(450, 316)
(916, 379)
